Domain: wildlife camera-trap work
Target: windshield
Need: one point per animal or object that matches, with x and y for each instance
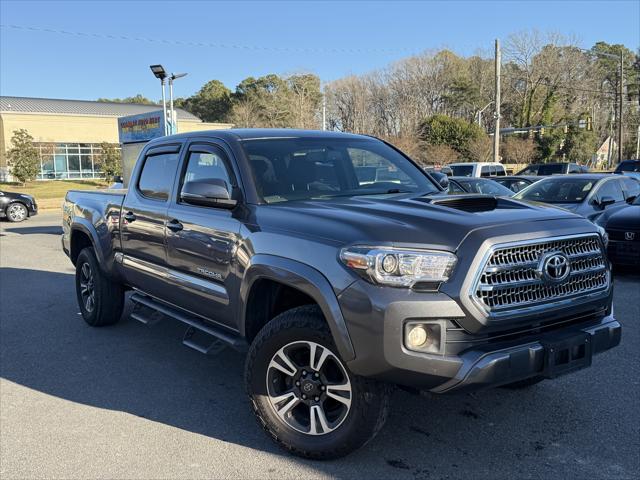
(551, 169)
(487, 187)
(287, 169)
(462, 170)
(629, 167)
(558, 190)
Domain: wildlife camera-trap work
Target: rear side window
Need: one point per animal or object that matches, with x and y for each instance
(631, 187)
(158, 173)
(487, 171)
(611, 189)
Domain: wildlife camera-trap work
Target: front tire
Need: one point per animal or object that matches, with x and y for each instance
(101, 300)
(302, 392)
(16, 212)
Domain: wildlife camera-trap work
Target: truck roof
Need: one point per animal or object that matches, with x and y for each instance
(257, 133)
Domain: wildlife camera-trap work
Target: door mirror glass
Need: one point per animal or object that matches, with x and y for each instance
(207, 192)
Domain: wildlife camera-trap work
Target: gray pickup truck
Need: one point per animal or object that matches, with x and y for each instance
(342, 269)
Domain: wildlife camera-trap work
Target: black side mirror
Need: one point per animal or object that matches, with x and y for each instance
(208, 192)
(444, 182)
(631, 199)
(118, 179)
(606, 201)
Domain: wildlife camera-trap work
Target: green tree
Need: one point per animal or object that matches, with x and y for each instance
(212, 103)
(453, 132)
(23, 156)
(109, 161)
(139, 98)
(549, 145)
(579, 145)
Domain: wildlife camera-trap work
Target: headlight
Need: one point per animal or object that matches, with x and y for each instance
(399, 267)
(603, 235)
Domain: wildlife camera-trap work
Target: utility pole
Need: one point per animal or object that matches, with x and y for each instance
(638, 144)
(324, 107)
(496, 134)
(620, 106)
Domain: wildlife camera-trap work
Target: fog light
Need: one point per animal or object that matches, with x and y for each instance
(423, 337)
(417, 336)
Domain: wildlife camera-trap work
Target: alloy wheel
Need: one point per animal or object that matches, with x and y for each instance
(17, 212)
(309, 388)
(87, 287)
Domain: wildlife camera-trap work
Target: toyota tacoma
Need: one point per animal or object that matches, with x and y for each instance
(342, 269)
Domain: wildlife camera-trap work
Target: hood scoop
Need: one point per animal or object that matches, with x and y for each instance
(474, 203)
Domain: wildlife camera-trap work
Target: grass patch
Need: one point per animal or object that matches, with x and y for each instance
(55, 189)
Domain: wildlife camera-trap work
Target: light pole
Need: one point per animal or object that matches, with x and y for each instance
(479, 114)
(496, 115)
(159, 72)
(174, 121)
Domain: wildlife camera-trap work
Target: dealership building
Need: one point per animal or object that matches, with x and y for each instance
(68, 133)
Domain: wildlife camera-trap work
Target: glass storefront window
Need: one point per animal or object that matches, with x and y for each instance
(69, 160)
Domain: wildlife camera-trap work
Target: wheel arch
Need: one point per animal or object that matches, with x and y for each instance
(298, 277)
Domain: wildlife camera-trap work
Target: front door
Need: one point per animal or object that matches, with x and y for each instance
(143, 219)
(202, 241)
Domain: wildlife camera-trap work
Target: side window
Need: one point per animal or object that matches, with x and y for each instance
(158, 173)
(631, 187)
(455, 189)
(500, 171)
(573, 168)
(206, 165)
(486, 171)
(611, 189)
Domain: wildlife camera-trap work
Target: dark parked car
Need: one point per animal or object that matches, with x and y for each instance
(516, 183)
(557, 168)
(590, 195)
(339, 287)
(484, 186)
(17, 207)
(629, 167)
(623, 228)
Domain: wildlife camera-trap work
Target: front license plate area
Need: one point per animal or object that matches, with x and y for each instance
(567, 355)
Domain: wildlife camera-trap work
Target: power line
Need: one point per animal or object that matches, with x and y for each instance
(233, 46)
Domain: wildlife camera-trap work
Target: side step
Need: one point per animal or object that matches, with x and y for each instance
(149, 311)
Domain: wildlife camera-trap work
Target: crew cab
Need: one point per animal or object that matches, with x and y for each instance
(339, 284)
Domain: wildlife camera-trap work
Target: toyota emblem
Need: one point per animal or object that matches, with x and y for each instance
(554, 267)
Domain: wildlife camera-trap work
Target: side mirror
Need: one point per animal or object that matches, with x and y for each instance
(444, 182)
(208, 192)
(606, 201)
(118, 179)
(631, 199)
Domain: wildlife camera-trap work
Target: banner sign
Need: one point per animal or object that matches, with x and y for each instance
(141, 128)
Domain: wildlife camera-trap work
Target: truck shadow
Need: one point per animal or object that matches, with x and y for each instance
(146, 372)
(38, 230)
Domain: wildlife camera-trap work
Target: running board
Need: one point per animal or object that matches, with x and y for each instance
(151, 309)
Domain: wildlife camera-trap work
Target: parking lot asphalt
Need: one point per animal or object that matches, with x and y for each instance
(129, 401)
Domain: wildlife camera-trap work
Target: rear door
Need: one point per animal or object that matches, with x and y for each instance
(144, 213)
(202, 241)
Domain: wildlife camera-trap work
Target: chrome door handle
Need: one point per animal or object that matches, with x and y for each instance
(174, 226)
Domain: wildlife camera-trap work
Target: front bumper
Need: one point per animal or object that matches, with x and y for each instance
(376, 319)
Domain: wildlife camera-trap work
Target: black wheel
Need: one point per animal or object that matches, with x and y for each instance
(303, 394)
(16, 212)
(100, 300)
(521, 384)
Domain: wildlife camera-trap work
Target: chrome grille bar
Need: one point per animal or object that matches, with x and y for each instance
(511, 277)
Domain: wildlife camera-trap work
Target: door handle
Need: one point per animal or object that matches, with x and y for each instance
(174, 226)
(130, 217)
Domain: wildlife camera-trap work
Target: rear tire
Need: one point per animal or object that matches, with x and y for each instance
(339, 413)
(100, 299)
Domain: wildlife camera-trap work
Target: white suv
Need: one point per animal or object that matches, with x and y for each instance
(478, 169)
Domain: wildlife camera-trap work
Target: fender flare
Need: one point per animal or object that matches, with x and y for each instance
(84, 226)
(306, 279)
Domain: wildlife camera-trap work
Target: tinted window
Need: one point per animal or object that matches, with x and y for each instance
(558, 190)
(551, 169)
(487, 171)
(158, 173)
(455, 188)
(462, 170)
(206, 166)
(303, 168)
(631, 187)
(530, 170)
(629, 166)
(500, 171)
(611, 189)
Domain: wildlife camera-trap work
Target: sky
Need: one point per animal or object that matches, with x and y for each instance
(230, 41)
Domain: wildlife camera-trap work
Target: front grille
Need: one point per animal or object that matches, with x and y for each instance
(512, 278)
(624, 235)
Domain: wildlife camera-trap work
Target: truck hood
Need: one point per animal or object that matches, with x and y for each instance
(440, 222)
